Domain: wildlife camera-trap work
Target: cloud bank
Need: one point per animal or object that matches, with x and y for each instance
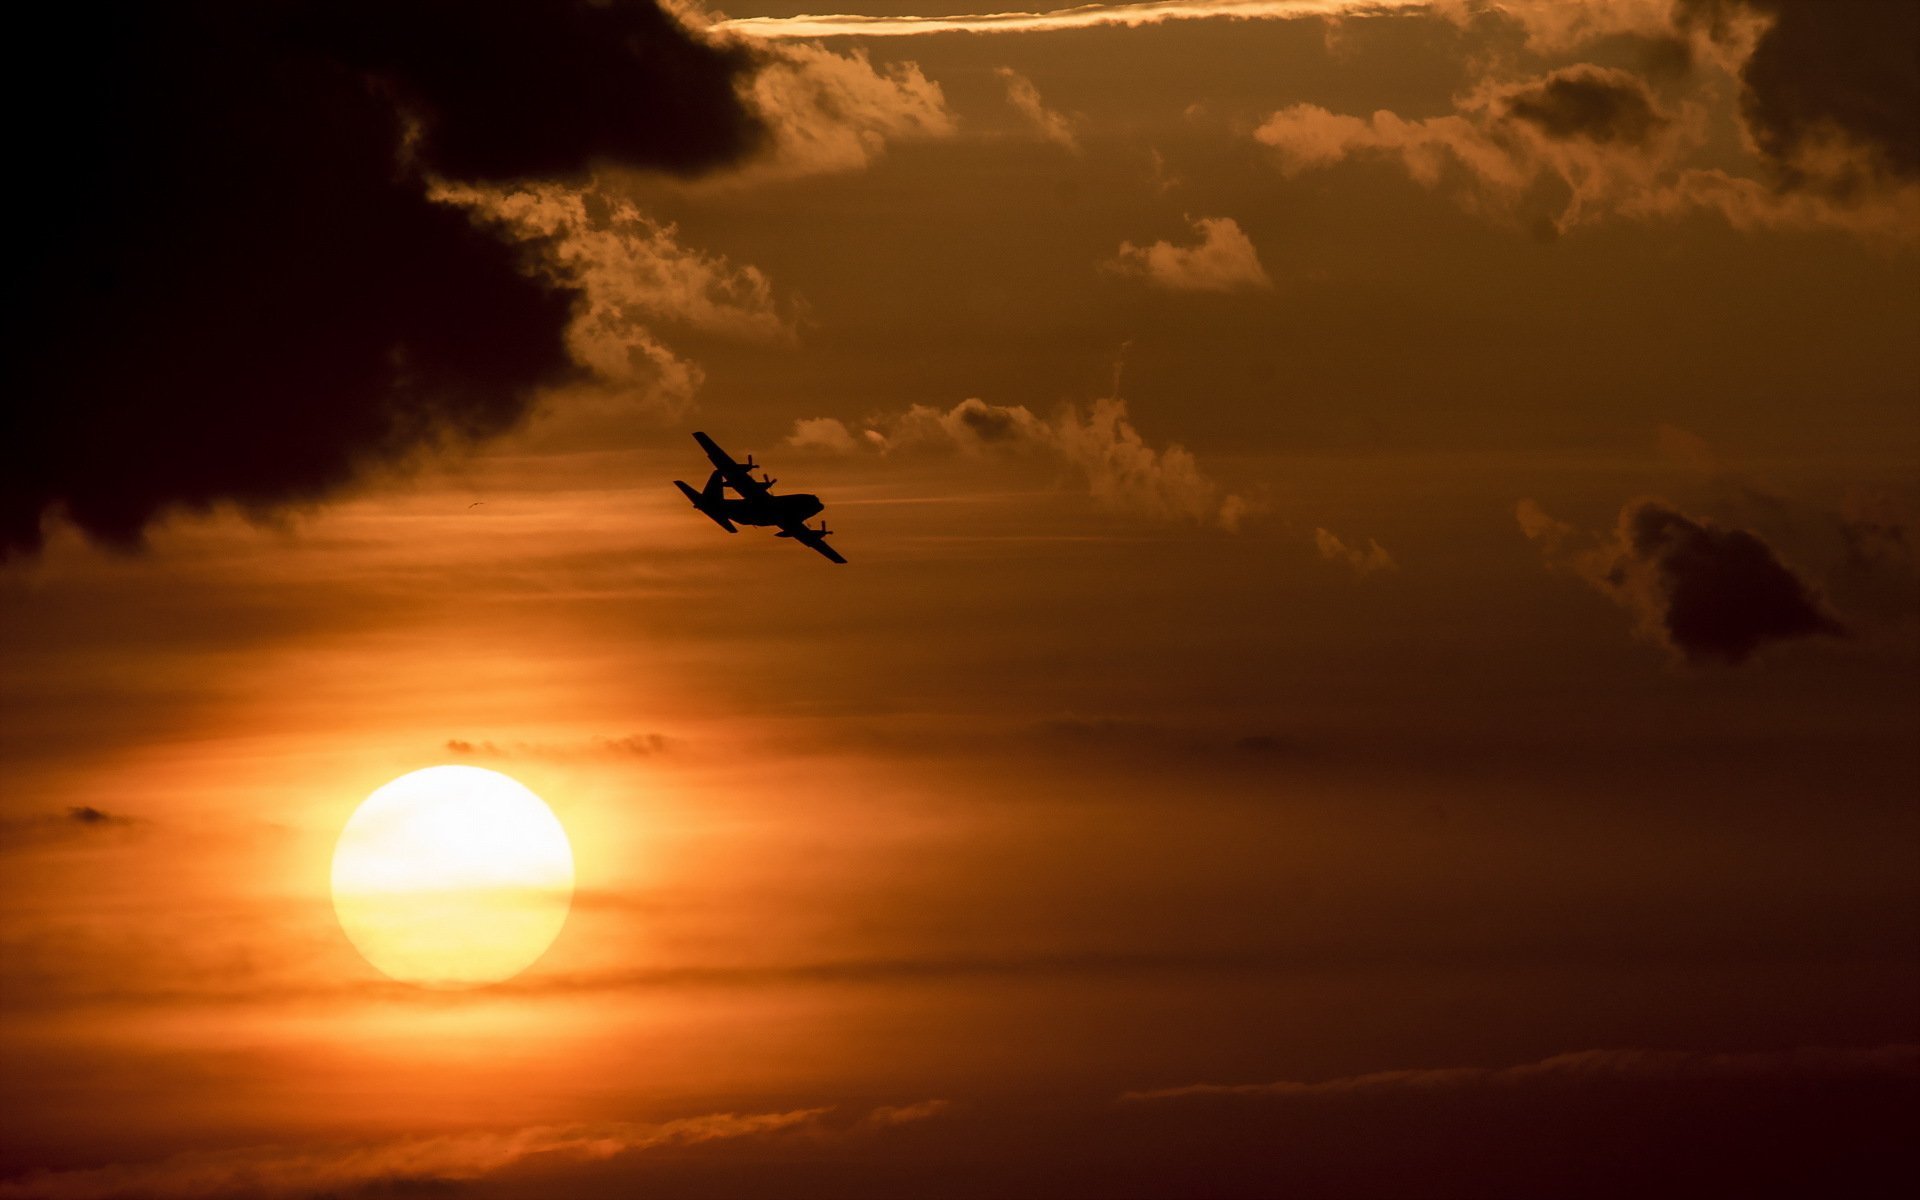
(238, 289)
(1825, 97)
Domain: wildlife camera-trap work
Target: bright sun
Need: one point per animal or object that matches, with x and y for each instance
(452, 877)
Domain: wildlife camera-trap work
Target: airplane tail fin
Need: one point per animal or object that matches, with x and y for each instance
(701, 501)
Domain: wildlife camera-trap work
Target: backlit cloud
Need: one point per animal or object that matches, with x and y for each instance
(1585, 143)
(240, 291)
(1706, 592)
(1551, 152)
(632, 275)
(1087, 16)
(1055, 127)
(1100, 444)
(423, 1163)
(829, 111)
(1373, 560)
(638, 745)
(1223, 260)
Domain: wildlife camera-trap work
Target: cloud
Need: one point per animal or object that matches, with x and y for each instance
(1373, 560)
(1705, 592)
(907, 1114)
(1054, 127)
(822, 433)
(638, 745)
(1829, 90)
(399, 1164)
(837, 112)
(1223, 261)
(1878, 530)
(631, 275)
(237, 289)
(1590, 103)
(1685, 448)
(78, 821)
(1896, 1061)
(1554, 151)
(1100, 444)
(1826, 97)
(1088, 16)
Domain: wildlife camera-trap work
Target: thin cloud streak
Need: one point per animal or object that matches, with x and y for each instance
(1897, 1060)
(1087, 16)
(398, 1164)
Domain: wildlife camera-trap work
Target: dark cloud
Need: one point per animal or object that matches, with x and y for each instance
(1877, 529)
(78, 821)
(1589, 102)
(1707, 592)
(233, 287)
(1825, 68)
(1718, 593)
(988, 422)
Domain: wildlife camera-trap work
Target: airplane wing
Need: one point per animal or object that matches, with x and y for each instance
(739, 478)
(812, 539)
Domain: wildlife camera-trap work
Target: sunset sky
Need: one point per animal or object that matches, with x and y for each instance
(1379, 657)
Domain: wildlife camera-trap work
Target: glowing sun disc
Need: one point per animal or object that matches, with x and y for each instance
(452, 877)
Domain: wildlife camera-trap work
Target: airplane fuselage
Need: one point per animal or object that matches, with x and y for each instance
(755, 502)
(770, 510)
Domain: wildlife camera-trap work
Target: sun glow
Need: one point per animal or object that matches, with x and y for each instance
(452, 877)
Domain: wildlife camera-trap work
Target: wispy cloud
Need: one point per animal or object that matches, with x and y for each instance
(417, 1163)
(1086, 16)
(1371, 561)
(1055, 127)
(637, 745)
(1901, 1061)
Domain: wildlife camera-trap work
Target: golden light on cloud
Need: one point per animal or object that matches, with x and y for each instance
(452, 877)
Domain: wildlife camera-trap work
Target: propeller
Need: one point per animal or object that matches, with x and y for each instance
(765, 482)
(824, 531)
(750, 465)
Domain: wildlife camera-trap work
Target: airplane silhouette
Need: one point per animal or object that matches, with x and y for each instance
(757, 504)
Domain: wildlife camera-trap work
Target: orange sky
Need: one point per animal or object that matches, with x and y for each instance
(1378, 656)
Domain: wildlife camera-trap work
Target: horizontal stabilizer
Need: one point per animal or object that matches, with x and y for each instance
(700, 503)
